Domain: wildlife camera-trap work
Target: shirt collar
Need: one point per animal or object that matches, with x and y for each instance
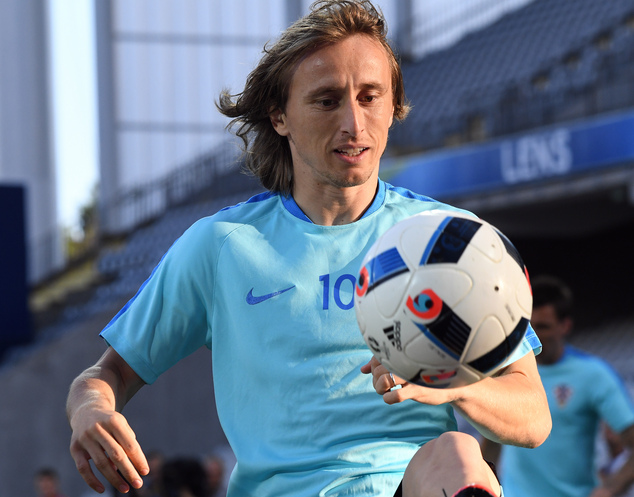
(292, 207)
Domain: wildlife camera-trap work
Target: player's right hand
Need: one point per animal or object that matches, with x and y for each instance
(106, 437)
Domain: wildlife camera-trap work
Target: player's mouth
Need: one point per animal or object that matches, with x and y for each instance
(351, 152)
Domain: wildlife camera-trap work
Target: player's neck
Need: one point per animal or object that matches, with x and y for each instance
(331, 206)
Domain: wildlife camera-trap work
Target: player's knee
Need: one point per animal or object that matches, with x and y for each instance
(449, 450)
(454, 444)
(452, 459)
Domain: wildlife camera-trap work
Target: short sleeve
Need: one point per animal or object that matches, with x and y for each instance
(529, 343)
(613, 402)
(167, 319)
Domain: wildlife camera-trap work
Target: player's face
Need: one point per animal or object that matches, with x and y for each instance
(551, 331)
(46, 485)
(338, 113)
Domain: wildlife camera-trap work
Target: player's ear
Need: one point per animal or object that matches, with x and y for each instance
(567, 325)
(278, 120)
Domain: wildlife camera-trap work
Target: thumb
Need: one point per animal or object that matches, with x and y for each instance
(367, 367)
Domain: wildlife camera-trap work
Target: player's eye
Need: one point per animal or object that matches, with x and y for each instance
(327, 102)
(369, 98)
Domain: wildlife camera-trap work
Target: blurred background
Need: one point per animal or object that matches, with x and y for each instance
(111, 146)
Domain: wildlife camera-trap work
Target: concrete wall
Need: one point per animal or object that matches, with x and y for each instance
(173, 415)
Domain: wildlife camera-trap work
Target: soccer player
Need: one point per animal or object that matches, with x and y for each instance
(582, 390)
(267, 286)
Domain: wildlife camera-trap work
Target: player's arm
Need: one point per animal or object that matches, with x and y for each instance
(620, 481)
(99, 431)
(508, 408)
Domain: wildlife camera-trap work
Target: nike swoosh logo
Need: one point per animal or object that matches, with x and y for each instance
(252, 300)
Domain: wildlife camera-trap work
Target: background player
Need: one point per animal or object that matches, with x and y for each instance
(582, 390)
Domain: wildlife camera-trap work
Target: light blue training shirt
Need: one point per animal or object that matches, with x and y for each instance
(271, 294)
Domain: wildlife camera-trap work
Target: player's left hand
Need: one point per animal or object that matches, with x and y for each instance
(395, 389)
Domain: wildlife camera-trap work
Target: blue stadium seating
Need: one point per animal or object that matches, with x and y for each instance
(525, 55)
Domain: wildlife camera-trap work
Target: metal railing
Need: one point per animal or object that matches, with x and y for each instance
(141, 204)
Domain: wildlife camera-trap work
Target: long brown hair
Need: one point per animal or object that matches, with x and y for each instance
(267, 154)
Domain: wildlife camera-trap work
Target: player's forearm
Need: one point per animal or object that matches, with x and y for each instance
(100, 432)
(92, 389)
(510, 409)
(108, 385)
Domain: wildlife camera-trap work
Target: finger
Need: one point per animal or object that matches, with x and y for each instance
(99, 454)
(126, 438)
(375, 362)
(125, 454)
(82, 463)
(396, 395)
(367, 367)
(424, 395)
(397, 380)
(379, 373)
(370, 366)
(384, 383)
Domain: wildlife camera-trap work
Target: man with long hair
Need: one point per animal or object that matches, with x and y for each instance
(268, 285)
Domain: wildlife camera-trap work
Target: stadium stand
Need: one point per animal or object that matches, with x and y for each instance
(541, 64)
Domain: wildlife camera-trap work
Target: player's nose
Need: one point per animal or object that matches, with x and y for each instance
(352, 122)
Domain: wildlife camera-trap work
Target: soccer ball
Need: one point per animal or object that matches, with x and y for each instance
(443, 299)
